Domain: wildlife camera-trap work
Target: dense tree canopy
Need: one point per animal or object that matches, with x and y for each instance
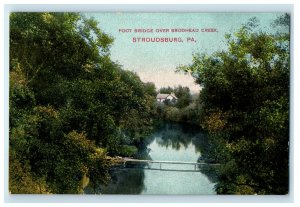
(70, 105)
(245, 104)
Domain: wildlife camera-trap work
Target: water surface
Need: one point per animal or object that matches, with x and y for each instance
(170, 142)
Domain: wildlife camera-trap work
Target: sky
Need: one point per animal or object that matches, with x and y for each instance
(156, 61)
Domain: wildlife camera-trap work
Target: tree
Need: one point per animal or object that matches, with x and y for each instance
(245, 100)
(70, 105)
(184, 96)
(150, 88)
(166, 90)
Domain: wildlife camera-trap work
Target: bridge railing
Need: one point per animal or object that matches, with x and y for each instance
(196, 164)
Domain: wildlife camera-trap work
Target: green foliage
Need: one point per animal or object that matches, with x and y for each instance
(128, 151)
(70, 105)
(184, 96)
(21, 179)
(166, 90)
(150, 89)
(172, 113)
(245, 107)
(185, 109)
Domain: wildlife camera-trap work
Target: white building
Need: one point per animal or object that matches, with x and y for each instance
(161, 97)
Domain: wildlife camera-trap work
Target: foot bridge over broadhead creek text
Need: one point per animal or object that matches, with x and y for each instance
(125, 160)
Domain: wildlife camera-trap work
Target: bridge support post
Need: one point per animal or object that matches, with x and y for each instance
(195, 166)
(160, 165)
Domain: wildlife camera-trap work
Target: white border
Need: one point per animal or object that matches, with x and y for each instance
(136, 8)
(151, 8)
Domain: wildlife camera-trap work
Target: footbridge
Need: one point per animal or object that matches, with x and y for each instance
(160, 162)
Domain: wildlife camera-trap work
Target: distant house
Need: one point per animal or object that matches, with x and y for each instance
(162, 97)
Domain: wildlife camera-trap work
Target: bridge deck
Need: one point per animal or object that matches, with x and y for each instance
(167, 162)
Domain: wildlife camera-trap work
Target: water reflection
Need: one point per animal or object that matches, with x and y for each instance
(177, 136)
(169, 142)
(126, 181)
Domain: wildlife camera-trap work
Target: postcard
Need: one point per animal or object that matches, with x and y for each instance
(149, 103)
